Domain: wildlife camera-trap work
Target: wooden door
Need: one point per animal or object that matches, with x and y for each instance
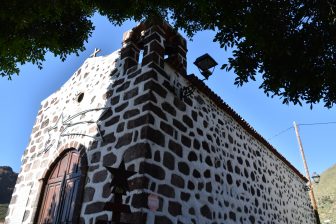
(62, 192)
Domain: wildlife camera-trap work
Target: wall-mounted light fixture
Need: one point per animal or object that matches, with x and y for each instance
(316, 178)
(204, 63)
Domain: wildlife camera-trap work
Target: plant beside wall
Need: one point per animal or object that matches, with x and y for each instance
(3, 211)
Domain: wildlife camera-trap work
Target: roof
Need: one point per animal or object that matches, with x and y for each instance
(225, 107)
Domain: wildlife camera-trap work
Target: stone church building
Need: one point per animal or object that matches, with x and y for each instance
(195, 159)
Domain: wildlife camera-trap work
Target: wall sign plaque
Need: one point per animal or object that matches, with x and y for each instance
(153, 202)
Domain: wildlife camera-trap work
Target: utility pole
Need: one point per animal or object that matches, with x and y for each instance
(311, 191)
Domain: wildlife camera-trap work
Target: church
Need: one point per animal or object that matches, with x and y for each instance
(127, 140)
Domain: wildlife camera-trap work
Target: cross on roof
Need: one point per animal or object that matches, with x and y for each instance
(95, 52)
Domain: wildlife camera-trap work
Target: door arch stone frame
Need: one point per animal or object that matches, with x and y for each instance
(62, 150)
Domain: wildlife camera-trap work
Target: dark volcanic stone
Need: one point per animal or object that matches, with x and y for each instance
(157, 156)
(196, 144)
(156, 110)
(126, 139)
(95, 157)
(130, 94)
(168, 160)
(205, 146)
(120, 127)
(194, 115)
(139, 150)
(207, 174)
(109, 159)
(146, 76)
(88, 194)
(179, 104)
(237, 170)
(192, 211)
(191, 185)
(192, 156)
(162, 220)
(94, 207)
(208, 187)
(252, 219)
(179, 125)
(112, 121)
(183, 168)
(149, 96)
(101, 219)
(139, 200)
(45, 123)
(168, 86)
(142, 120)
(100, 176)
(230, 139)
(109, 138)
(108, 94)
(155, 136)
(131, 113)
(168, 108)
(115, 100)
(200, 132)
(106, 115)
(208, 161)
(123, 87)
(186, 141)
(133, 73)
(118, 82)
(232, 216)
(166, 190)
(205, 211)
(196, 174)
(229, 166)
(177, 181)
(121, 107)
(187, 121)
(185, 196)
(106, 190)
(153, 86)
(252, 176)
(152, 170)
(175, 147)
(229, 179)
(138, 183)
(174, 208)
(167, 128)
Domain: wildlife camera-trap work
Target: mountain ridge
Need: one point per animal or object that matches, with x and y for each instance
(7, 183)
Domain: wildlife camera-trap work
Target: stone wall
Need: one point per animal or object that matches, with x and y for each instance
(214, 171)
(204, 166)
(63, 122)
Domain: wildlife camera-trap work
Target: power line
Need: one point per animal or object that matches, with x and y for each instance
(304, 124)
(318, 123)
(280, 133)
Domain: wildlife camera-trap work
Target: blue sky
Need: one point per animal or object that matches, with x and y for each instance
(21, 97)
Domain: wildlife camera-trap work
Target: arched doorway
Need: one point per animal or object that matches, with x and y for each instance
(61, 200)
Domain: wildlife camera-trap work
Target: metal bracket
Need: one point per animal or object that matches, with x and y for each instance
(306, 188)
(65, 124)
(186, 91)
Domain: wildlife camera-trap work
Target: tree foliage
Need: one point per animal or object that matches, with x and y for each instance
(291, 43)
